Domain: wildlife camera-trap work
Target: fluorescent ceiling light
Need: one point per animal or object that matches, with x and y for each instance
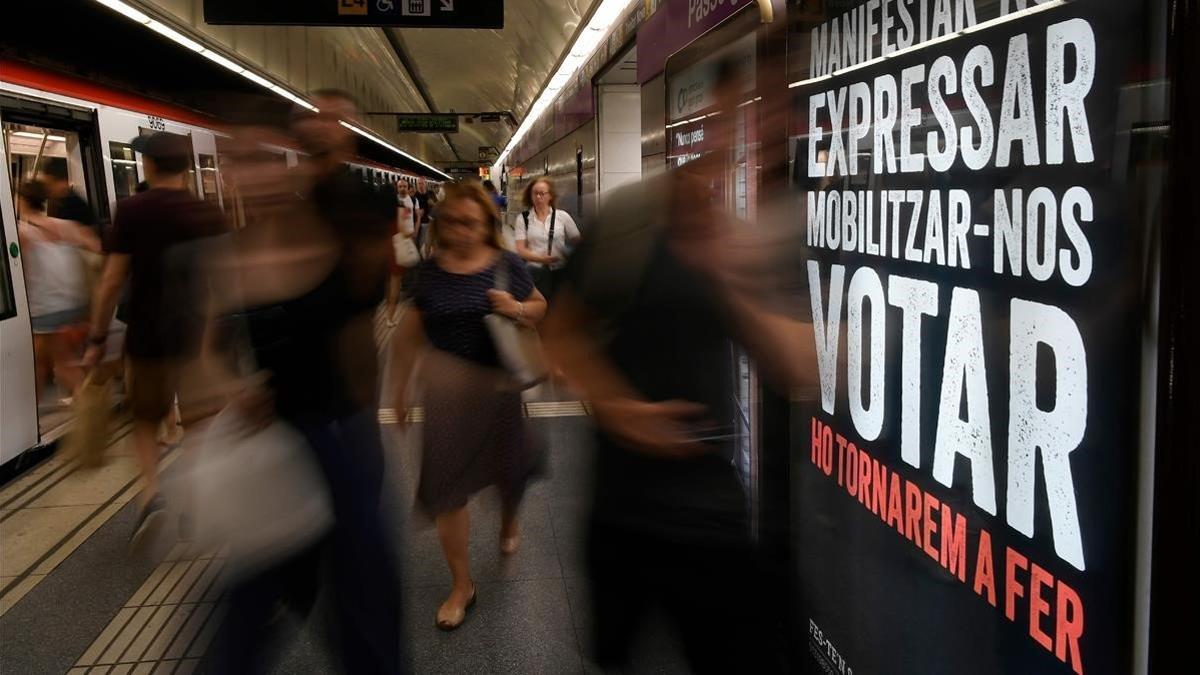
(38, 136)
(376, 139)
(258, 79)
(221, 60)
(118, 6)
(577, 54)
(175, 36)
(123, 161)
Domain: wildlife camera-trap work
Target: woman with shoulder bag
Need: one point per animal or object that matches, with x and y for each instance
(474, 434)
(544, 234)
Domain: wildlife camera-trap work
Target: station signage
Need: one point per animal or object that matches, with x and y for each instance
(427, 123)
(966, 480)
(691, 90)
(398, 13)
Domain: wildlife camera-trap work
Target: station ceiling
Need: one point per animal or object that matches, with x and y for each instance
(491, 70)
(414, 70)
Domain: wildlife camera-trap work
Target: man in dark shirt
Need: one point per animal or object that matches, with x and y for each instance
(150, 244)
(65, 202)
(652, 304)
(320, 350)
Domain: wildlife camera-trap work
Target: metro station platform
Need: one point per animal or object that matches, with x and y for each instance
(73, 600)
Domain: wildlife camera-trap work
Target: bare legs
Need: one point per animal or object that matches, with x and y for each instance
(454, 529)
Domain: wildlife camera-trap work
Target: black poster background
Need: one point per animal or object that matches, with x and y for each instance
(879, 601)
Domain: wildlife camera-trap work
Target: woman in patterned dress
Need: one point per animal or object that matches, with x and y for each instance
(474, 435)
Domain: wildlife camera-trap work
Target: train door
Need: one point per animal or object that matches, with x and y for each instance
(39, 136)
(18, 409)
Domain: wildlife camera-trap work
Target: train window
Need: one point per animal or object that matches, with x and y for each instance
(208, 178)
(31, 149)
(191, 172)
(124, 169)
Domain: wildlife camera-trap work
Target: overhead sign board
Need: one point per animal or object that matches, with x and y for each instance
(399, 13)
(427, 124)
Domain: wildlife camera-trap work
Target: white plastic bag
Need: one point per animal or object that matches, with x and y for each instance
(260, 494)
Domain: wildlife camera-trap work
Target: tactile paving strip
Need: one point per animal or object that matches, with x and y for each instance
(166, 625)
(531, 409)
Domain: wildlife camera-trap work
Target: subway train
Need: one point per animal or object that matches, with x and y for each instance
(50, 117)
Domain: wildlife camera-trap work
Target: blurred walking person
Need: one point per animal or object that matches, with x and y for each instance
(65, 201)
(56, 284)
(498, 199)
(474, 434)
(652, 303)
(167, 305)
(313, 272)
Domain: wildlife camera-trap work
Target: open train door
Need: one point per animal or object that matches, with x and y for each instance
(18, 407)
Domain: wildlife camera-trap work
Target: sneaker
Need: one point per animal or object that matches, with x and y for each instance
(148, 524)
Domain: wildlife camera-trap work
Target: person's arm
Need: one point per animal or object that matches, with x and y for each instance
(529, 311)
(104, 303)
(652, 427)
(570, 229)
(66, 231)
(784, 348)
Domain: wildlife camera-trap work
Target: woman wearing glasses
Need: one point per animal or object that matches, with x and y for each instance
(474, 435)
(544, 234)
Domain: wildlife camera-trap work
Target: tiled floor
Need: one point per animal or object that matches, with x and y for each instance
(73, 600)
(66, 544)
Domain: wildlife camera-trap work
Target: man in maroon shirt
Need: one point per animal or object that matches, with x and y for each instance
(150, 244)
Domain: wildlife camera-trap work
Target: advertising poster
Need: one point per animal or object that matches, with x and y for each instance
(966, 479)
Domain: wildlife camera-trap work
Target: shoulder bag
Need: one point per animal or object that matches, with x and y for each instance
(517, 345)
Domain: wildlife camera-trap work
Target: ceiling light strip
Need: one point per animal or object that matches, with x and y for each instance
(372, 137)
(221, 60)
(588, 39)
(212, 55)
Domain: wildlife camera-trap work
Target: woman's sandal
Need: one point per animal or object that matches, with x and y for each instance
(460, 616)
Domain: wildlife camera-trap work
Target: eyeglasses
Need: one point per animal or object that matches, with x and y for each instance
(541, 194)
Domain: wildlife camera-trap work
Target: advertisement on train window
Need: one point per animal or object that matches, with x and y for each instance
(966, 476)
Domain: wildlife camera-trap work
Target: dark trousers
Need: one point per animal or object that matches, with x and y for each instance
(709, 591)
(356, 560)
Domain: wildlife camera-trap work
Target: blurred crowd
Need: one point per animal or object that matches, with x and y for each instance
(262, 335)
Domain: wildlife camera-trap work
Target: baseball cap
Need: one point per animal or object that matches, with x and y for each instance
(162, 144)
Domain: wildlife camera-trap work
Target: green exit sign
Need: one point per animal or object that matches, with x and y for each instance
(427, 124)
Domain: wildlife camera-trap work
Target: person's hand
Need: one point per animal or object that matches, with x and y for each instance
(504, 303)
(92, 356)
(658, 429)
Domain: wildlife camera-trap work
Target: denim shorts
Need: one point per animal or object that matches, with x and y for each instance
(56, 321)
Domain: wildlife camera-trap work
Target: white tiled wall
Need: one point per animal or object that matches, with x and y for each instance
(620, 131)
